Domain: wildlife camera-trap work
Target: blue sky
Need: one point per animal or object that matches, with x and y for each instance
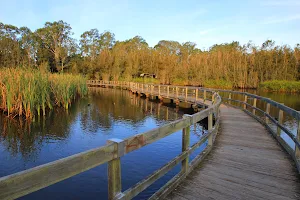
(201, 21)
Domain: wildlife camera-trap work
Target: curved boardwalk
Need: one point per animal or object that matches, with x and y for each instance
(245, 163)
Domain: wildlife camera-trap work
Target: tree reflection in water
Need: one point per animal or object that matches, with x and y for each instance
(103, 108)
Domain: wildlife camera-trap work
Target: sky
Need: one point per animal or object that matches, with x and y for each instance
(201, 21)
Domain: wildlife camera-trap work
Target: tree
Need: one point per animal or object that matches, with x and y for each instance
(55, 37)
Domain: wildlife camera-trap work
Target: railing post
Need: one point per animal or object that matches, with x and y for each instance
(152, 89)
(245, 101)
(267, 112)
(158, 90)
(297, 150)
(185, 146)
(168, 91)
(254, 106)
(209, 128)
(204, 95)
(280, 120)
(186, 93)
(196, 95)
(229, 98)
(177, 92)
(114, 169)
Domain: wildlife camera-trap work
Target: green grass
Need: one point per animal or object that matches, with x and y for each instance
(221, 84)
(280, 86)
(146, 80)
(27, 92)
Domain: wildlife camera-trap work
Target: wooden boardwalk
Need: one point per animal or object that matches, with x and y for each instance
(245, 163)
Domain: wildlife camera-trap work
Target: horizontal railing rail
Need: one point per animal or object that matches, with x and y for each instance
(28, 181)
(265, 118)
(228, 97)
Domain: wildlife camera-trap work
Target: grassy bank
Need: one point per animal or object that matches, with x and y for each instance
(30, 92)
(281, 86)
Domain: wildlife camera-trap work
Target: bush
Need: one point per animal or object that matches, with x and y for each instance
(280, 86)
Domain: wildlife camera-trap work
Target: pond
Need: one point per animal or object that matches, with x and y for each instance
(106, 113)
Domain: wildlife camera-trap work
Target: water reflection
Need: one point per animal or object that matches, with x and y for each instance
(89, 123)
(99, 113)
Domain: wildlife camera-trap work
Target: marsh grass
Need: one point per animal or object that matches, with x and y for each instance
(30, 92)
(221, 84)
(280, 86)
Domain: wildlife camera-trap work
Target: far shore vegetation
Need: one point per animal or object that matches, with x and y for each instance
(48, 67)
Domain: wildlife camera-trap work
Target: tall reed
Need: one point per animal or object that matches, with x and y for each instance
(27, 92)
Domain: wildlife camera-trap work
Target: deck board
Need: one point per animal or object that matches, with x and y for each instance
(245, 163)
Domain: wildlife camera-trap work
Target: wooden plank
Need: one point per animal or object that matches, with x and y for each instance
(145, 183)
(280, 120)
(185, 146)
(238, 168)
(25, 182)
(114, 169)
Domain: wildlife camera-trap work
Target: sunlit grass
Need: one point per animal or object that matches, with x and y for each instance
(281, 86)
(27, 92)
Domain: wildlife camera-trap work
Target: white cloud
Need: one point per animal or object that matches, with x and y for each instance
(276, 20)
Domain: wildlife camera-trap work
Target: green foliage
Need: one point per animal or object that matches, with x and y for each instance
(281, 86)
(146, 80)
(221, 84)
(100, 56)
(28, 92)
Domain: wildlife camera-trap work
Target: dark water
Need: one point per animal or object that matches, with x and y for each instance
(89, 123)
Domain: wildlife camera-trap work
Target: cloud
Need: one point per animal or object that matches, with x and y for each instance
(281, 3)
(281, 20)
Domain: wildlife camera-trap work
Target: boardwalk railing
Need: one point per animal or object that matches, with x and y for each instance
(242, 100)
(28, 181)
(248, 102)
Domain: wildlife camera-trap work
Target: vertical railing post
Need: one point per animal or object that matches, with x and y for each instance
(158, 90)
(185, 145)
(229, 98)
(297, 149)
(196, 95)
(280, 120)
(177, 92)
(245, 101)
(204, 95)
(114, 169)
(168, 91)
(267, 112)
(209, 128)
(152, 89)
(186, 93)
(254, 106)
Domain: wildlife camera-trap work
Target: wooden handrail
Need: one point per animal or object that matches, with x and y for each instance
(228, 98)
(278, 121)
(28, 181)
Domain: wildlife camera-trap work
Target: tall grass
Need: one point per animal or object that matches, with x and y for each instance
(30, 92)
(281, 86)
(221, 84)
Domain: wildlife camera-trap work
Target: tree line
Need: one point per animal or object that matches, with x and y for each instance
(100, 56)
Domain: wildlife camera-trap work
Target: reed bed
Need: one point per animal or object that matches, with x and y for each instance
(30, 92)
(281, 86)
